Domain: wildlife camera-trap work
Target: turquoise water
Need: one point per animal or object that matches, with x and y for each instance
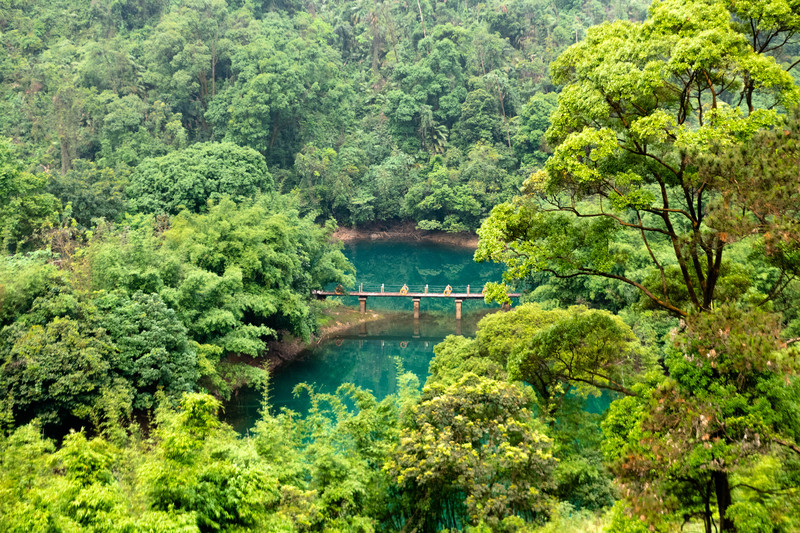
(416, 265)
(367, 355)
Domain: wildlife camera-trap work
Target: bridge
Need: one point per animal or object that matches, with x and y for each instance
(416, 293)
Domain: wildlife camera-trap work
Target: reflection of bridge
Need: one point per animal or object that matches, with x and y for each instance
(399, 341)
(416, 293)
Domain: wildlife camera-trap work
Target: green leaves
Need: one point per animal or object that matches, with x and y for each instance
(718, 416)
(577, 157)
(25, 206)
(56, 371)
(473, 441)
(153, 350)
(190, 178)
(249, 262)
(640, 100)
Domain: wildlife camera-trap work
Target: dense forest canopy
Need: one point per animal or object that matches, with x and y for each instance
(172, 172)
(365, 109)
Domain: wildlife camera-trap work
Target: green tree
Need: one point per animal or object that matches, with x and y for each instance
(473, 452)
(442, 201)
(565, 350)
(576, 361)
(24, 278)
(249, 272)
(719, 437)
(532, 123)
(153, 351)
(133, 129)
(189, 178)
(186, 55)
(289, 90)
(429, 89)
(25, 206)
(91, 192)
(479, 120)
(638, 99)
(56, 371)
(640, 106)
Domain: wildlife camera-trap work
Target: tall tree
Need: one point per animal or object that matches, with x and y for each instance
(638, 100)
(185, 55)
(645, 136)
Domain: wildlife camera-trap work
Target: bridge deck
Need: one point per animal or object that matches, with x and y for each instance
(455, 295)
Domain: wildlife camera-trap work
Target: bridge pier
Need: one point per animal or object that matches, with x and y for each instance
(362, 303)
(458, 309)
(416, 308)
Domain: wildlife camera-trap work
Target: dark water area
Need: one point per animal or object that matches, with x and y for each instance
(368, 355)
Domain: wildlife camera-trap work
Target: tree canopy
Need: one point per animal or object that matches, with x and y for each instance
(172, 174)
(640, 104)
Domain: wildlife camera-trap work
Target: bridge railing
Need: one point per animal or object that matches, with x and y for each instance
(415, 288)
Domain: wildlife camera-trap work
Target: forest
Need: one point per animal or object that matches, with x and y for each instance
(172, 173)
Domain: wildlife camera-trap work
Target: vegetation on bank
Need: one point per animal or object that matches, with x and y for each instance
(167, 195)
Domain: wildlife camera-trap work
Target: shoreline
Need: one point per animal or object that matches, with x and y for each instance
(286, 350)
(405, 231)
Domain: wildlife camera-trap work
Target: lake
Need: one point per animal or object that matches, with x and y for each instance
(368, 355)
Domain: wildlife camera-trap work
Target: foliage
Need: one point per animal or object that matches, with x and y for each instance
(119, 83)
(660, 152)
(699, 439)
(55, 371)
(153, 350)
(25, 206)
(757, 194)
(534, 120)
(473, 452)
(24, 279)
(244, 271)
(190, 178)
(91, 192)
(638, 98)
(556, 351)
(234, 276)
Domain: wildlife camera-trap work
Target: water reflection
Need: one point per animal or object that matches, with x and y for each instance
(366, 355)
(417, 265)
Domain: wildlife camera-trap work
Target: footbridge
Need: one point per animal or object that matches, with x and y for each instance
(415, 292)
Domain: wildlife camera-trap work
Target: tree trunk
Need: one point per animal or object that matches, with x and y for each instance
(422, 19)
(708, 516)
(274, 130)
(377, 43)
(66, 160)
(723, 490)
(214, 72)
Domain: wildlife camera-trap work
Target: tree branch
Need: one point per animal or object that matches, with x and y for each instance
(572, 209)
(792, 446)
(591, 272)
(653, 257)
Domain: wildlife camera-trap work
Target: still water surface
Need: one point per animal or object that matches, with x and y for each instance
(367, 355)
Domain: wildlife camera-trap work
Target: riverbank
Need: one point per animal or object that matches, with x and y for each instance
(335, 320)
(405, 232)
